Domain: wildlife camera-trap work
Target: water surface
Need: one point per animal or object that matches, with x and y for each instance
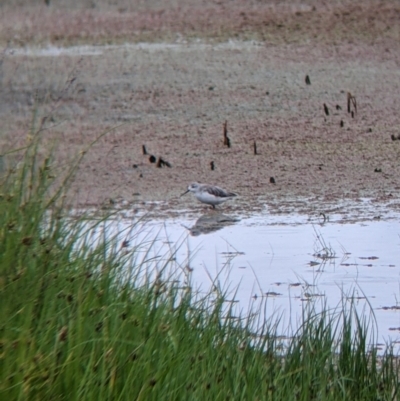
(288, 259)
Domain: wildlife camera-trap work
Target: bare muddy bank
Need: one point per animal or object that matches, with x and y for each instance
(175, 100)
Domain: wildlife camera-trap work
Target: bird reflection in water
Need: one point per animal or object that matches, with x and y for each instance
(208, 223)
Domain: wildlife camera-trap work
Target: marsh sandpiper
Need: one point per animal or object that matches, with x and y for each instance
(209, 194)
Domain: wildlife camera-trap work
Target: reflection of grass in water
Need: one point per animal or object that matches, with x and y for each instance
(323, 251)
(69, 329)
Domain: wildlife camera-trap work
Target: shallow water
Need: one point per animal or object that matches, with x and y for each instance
(291, 260)
(87, 50)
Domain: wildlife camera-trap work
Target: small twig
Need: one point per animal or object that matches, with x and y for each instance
(227, 141)
(351, 100)
(161, 163)
(225, 129)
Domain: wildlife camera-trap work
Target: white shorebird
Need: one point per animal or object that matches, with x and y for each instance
(209, 194)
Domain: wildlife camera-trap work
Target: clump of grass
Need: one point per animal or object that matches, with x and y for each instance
(72, 327)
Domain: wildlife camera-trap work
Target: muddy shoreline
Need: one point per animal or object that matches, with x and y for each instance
(174, 96)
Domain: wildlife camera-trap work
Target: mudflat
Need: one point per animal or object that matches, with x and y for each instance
(307, 93)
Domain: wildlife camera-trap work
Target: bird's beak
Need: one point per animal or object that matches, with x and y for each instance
(185, 192)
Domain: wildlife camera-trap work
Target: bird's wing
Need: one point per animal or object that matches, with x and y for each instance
(217, 191)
